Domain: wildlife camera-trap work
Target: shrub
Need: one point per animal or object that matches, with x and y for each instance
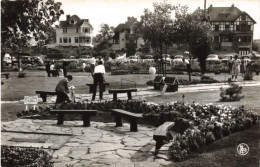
(30, 157)
(233, 93)
(22, 74)
(149, 83)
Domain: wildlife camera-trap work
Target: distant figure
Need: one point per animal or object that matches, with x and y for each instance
(98, 76)
(230, 65)
(235, 67)
(242, 68)
(92, 65)
(48, 70)
(62, 90)
(64, 68)
(83, 66)
(52, 68)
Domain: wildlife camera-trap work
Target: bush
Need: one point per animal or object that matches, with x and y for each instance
(22, 74)
(30, 157)
(233, 93)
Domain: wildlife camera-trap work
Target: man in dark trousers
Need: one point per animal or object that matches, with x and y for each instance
(64, 68)
(48, 69)
(62, 90)
(98, 76)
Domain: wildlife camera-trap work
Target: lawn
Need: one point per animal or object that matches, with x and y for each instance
(221, 153)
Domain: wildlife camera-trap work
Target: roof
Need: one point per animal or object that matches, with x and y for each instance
(125, 26)
(224, 13)
(66, 23)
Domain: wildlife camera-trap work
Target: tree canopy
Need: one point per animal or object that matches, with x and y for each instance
(23, 20)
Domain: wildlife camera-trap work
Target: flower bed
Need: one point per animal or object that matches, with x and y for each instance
(29, 157)
(198, 125)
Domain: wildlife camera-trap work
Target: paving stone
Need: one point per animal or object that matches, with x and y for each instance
(142, 142)
(59, 165)
(85, 162)
(72, 144)
(125, 153)
(76, 154)
(92, 156)
(62, 159)
(147, 163)
(102, 147)
(132, 148)
(62, 151)
(141, 156)
(148, 148)
(163, 162)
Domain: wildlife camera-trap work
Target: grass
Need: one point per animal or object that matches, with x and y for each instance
(221, 153)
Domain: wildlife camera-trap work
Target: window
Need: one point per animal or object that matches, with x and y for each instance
(238, 27)
(216, 27)
(72, 21)
(85, 29)
(60, 40)
(77, 30)
(244, 39)
(231, 28)
(227, 38)
(243, 27)
(249, 39)
(76, 39)
(227, 27)
(84, 39)
(65, 40)
(248, 28)
(64, 30)
(69, 40)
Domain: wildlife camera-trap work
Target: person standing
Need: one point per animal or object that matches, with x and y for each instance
(64, 68)
(230, 65)
(92, 65)
(235, 67)
(62, 90)
(83, 66)
(98, 77)
(242, 69)
(48, 70)
(52, 68)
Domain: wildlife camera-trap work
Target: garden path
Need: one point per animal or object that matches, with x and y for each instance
(108, 145)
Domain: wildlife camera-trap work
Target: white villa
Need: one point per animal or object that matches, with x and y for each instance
(74, 32)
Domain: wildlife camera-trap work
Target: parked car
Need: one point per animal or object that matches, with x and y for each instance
(26, 60)
(226, 57)
(212, 58)
(168, 58)
(134, 58)
(178, 57)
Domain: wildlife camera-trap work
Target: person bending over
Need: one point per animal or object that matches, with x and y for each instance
(62, 90)
(98, 76)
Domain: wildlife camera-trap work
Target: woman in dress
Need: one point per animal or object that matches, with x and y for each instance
(235, 67)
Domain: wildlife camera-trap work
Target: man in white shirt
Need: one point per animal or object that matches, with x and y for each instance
(98, 76)
(52, 68)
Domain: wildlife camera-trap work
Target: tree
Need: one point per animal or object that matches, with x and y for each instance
(106, 31)
(23, 20)
(195, 30)
(157, 28)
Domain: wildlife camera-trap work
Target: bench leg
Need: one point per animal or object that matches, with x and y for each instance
(60, 119)
(129, 95)
(114, 96)
(133, 125)
(159, 144)
(118, 119)
(44, 97)
(86, 120)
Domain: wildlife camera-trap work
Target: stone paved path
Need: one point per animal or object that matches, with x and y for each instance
(109, 145)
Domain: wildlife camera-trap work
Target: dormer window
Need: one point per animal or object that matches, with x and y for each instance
(73, 21)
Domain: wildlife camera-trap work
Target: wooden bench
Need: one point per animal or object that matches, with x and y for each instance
(43, 94)
(116, 91)
(5, 74)
(131, 117)
(85, 115)
(160, 135)
(92, 85)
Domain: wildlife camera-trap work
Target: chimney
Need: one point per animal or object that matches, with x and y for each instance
(68, 17)
(232, 5)
(205, 2)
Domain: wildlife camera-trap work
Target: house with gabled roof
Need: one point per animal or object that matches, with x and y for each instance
(125, 37)
(232, 29)
(74, 31)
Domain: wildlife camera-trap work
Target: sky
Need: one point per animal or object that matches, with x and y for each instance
(114, 12)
